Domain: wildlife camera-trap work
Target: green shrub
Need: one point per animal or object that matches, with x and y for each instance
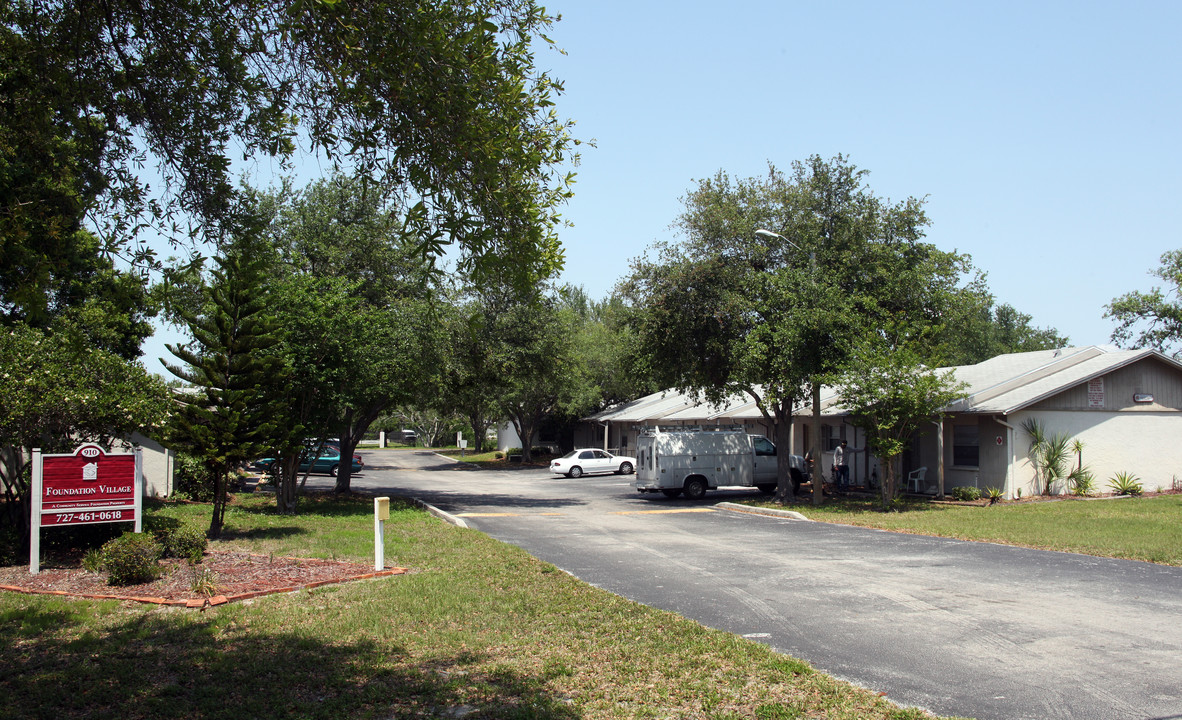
(995, 495)
(182, 542)
(1126, 483)
(192, 479)
(92, 561)
(966, 493)
(130, 559)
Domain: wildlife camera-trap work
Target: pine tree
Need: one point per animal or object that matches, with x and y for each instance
(225, 422)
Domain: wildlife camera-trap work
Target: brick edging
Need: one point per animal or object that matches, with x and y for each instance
(210, 601)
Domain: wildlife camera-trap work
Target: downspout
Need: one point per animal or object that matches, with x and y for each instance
(1009, 491)
(939, 458)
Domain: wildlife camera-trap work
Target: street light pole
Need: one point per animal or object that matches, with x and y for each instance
(816, 474)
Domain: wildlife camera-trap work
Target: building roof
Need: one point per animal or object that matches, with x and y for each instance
(1000, 385)
(649, 407)
(1008, 383)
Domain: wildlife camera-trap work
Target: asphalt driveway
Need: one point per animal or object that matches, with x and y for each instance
(959, 628)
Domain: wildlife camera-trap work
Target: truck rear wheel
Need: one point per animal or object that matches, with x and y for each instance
(797, 479)
(695, 488)
(766, 489)
(671, 493)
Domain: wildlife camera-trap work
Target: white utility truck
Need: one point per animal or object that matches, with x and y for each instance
(694, 461)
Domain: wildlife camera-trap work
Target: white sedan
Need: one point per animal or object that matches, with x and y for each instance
(580, 462)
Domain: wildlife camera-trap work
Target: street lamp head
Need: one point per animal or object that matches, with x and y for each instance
(769, 234)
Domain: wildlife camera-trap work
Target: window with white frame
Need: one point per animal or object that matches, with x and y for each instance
(966, 446)
(832, 436)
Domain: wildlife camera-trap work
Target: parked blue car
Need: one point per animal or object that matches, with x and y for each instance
(328, 462)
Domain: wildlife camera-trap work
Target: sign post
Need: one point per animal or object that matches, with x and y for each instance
(85, 487)
(381, 513)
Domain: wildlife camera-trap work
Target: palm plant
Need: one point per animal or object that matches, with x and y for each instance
(1056, 460)
(1081, 479)
(1049, 454)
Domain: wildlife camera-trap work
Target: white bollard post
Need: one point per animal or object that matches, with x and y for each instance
(381, 513)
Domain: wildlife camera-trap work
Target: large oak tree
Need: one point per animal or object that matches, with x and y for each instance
(729, 312)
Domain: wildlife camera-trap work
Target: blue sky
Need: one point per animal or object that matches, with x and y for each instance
(1045, 136)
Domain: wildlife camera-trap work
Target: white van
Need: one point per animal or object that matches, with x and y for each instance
(692, 462)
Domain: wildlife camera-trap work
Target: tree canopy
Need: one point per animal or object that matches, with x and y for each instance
(436, 102)
(57, 391)
(1152, 319)
(977, 329)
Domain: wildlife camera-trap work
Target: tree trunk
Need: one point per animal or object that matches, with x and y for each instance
(817, 474)
(18, 502)
(345, 468)
(785, 493)
(479, 422)
(287, 484)
(525, 432)
(889, 480)
(219, 502)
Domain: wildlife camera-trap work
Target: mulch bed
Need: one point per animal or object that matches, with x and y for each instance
(235, 576)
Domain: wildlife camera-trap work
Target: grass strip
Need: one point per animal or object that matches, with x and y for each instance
(477, 629)
(1148, 529)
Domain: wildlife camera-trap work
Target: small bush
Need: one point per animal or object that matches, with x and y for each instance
(204, 581)
(995, 495)
(182, 542)
(1126, 483)
(966, 493)
(130, 559)
(192, 479)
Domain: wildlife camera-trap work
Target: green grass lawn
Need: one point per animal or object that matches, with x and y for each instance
(478, 628)
(1147, 528)
(495, 459)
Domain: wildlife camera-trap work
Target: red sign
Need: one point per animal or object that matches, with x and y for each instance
(87, 487)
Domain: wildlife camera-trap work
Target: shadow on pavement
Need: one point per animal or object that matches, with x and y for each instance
(452, 501)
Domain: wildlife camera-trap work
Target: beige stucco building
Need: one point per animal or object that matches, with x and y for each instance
(158, 462)
(1124, 406)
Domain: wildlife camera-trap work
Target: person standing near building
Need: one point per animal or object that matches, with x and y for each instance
(841, 463)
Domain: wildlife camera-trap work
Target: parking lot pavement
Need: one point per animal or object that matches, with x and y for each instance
(971, 629)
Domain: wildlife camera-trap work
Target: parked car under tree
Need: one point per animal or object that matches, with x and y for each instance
(328, 461)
